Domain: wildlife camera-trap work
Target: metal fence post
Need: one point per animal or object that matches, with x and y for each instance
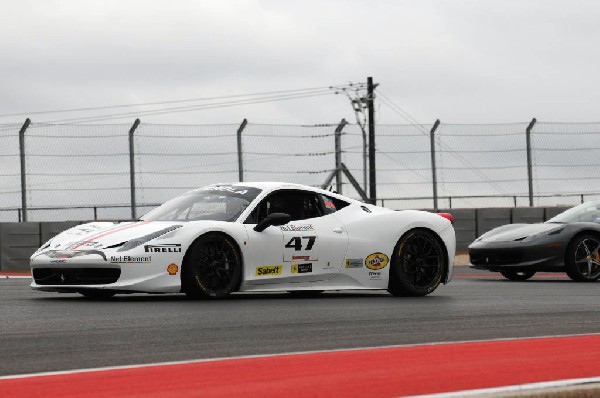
(23, 172)
(433, 169)
(529, 166)
(372, 163)
(239, 150)
(132, 167)
(338, 155)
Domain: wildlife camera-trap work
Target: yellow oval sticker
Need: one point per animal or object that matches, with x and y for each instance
(376, 261)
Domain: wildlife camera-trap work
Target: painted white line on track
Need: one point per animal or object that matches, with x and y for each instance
(513, 388)
(193, 361)
(15, 276)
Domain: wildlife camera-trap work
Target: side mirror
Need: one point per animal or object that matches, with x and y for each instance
(272, 219)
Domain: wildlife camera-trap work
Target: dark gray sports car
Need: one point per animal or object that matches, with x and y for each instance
(569, 242)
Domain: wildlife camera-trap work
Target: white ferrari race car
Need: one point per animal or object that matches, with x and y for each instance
(244, 237)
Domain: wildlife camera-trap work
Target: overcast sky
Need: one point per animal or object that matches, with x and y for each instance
(460, 61)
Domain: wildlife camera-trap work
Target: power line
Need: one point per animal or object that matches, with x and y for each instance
(94, 108)
(192, 108)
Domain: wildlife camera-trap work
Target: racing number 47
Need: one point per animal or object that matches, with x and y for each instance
(296, 242)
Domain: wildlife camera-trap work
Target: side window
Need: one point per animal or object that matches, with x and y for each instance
(331, 204)
(300, 205)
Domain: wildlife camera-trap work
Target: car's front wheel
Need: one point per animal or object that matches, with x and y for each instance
(517, 275)
(583, 258)
(213, 267)
(418, 264)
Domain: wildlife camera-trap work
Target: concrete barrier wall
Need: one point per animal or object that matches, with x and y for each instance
(18, 241)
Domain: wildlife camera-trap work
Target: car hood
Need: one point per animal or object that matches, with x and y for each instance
(512, 232)
(100, 235)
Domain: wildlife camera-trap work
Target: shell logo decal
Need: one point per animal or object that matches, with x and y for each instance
(172, 269)
(376, 261)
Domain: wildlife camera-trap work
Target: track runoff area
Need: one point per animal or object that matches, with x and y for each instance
(443, 370)
(497, 367)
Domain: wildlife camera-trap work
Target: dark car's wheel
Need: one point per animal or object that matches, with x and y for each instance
(213, 267)
(418, 263)
(517, 275)
(97, 294)
(583, 258)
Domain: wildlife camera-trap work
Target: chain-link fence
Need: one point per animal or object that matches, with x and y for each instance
(80, 172)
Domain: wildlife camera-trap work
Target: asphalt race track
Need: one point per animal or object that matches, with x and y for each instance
(43, 332)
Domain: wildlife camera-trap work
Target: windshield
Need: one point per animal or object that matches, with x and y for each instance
(217, 203)
(587, 212)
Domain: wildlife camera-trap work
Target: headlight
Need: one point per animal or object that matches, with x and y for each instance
(140, 241)
(539, 235)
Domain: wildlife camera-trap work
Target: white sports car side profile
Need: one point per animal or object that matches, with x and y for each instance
(247, 237)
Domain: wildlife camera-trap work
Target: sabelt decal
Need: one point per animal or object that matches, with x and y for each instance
(376, 261)
(301, 268)
(354, 263)
(131, 259)
(172, 269)
(269, 270)
(297, 228)
(166, 248)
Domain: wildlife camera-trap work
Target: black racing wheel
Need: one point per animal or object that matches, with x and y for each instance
(212, 268)
(583, 258)
(517, 275)
(418, 264)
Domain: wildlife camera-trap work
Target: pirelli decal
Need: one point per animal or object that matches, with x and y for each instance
(269, 270)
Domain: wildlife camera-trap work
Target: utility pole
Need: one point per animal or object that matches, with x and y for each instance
(372, 170)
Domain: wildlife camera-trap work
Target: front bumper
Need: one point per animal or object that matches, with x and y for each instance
(87, 272)
(517, 256)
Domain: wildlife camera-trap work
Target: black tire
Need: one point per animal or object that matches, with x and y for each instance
(517, 275)
(583, 258)
(97, 294)
(212, 268)
(418, 264)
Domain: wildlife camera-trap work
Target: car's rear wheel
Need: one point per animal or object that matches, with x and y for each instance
(213, 267)
(97, 294)
(418, 264)
(517, 275)
(583, 258)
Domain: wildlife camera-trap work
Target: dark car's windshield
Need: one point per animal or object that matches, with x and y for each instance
(586, 212)
(216, 202)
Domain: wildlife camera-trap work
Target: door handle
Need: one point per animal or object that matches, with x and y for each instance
(338, 230)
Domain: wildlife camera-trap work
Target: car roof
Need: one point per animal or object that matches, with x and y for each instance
(272, 185)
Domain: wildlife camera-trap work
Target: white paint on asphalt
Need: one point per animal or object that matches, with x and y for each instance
(514, 388)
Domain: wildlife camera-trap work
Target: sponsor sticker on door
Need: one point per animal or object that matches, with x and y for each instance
(269, 270)
(376, 261)
(172, 269)
(354, 263)
(301, 268)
